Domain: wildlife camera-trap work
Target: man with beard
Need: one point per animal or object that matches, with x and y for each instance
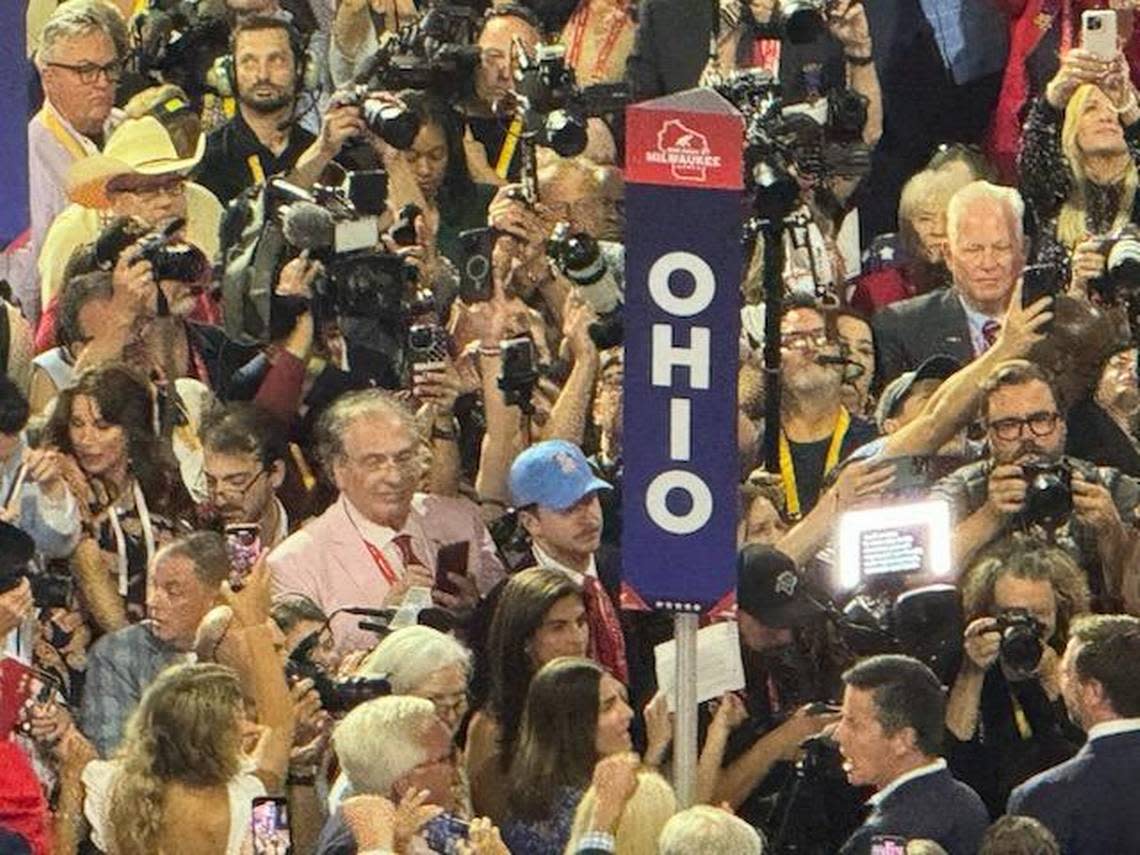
(1088, 802)
(988, 499)
(263, 138)
(1105, 422)
(244, 463)
(816, 430)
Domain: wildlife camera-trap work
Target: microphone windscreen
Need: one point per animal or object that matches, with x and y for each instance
(308, 226)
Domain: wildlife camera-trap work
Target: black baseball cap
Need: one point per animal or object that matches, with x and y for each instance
(936, 367)
(770, 589)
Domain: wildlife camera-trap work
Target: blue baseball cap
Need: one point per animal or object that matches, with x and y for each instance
(554, 474)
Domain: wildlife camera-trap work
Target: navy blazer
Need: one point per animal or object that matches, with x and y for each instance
(931, 807)
(909, 331)
(1089, 802)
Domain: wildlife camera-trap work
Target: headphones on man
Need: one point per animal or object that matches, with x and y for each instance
(307, 74)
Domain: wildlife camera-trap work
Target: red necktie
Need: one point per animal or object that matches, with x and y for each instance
(990, 330)
(607, 644)
(403, 542)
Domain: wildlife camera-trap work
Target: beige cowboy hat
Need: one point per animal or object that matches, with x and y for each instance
(138, 146)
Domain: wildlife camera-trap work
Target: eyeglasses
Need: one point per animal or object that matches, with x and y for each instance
(402, 460)
(88, 72)
(173, 188)
(1039, 424)
(231, 487)
(449, 703)
(804, 340)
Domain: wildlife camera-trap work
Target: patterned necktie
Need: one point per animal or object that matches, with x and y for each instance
(607, 644)
(990, 330)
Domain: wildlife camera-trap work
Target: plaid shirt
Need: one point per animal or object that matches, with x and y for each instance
(120, 666)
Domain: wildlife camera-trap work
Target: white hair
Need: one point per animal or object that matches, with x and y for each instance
(410, 655)
(78, 18)
(984, 191)
(704, 829)
(382, 740)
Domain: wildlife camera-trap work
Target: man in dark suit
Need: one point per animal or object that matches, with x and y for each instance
(985, 253)
(890, 736)
(1089, 802)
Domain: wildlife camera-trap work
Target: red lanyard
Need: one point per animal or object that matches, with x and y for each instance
(381, 562)
(577, 27)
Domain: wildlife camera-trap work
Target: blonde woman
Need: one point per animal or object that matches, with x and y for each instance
(626, 801)
(1078, 162)
(181, 781)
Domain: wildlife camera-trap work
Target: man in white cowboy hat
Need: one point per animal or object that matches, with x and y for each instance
(142, 174)
(79, 62)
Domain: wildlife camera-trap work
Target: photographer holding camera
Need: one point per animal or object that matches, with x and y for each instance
(1005, 712)
(1027, 482)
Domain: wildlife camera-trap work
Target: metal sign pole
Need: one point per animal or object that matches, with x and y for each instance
(685, 626)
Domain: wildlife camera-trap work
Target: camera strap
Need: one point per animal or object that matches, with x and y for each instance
(121, 543)
(788, 468)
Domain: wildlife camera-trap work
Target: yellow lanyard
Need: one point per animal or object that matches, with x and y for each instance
(788, 469)
(254, 163)
(507, 152)
(1024, 728)
(52, 123)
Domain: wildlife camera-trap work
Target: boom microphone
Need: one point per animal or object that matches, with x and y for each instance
(308, 226)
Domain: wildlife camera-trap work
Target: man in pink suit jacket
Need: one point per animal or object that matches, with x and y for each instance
(380, 537)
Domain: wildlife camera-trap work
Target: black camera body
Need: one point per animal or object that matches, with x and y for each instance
(1022, 642)
(1048, 492)
(578, 256)
(337, 696)
(519, 373)
(436, 53)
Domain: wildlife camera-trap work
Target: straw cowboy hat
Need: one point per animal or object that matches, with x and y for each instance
(137, 147)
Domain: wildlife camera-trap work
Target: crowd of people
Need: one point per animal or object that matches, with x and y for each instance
(311, 433)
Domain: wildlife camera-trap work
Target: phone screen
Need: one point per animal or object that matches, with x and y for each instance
(243, 545)
(269, 821)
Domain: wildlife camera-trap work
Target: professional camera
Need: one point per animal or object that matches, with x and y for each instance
(555, 108)
(783, 144)
(436, 53)
(579, 258)
(171, 258)
(1048, 492)
(392, 122)
(802, 20)
(337, 696)
(50, 589)
(176, 43)
(1119, 285)
(1021, 642)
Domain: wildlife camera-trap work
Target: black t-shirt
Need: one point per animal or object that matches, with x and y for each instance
(225, 168)
(810, 458)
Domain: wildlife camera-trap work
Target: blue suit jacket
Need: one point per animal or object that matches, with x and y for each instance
(1089, 802)
(932, 807)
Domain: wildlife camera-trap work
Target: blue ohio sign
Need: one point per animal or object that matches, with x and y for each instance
(682, 327)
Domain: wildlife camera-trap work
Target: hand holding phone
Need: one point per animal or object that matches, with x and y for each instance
(451, 558)
(243, 545)
(269, 824)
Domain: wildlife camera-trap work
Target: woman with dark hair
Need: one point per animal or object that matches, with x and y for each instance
(131, 496)
(575, 715)
(539, 617)
(436, 164)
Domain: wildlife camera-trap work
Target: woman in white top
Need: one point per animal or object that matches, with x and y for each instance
(181, 782)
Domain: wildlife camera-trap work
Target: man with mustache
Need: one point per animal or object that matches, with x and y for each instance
(1025, 426)
(264, 138)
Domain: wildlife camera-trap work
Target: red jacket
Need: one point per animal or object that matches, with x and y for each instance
(1029, 21)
